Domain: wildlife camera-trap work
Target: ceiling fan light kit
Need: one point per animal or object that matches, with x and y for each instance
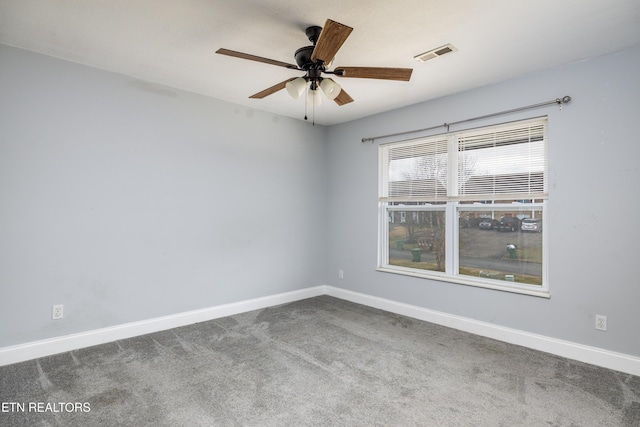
(315, 61)
(313, 98)
(330, 88)
(296, 87)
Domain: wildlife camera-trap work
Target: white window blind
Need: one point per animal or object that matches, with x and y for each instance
(415, 170)
(503, 162)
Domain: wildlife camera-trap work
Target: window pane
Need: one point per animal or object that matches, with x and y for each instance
(417, 239)
(501, 245)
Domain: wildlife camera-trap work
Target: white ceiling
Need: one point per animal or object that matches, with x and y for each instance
(173, 42)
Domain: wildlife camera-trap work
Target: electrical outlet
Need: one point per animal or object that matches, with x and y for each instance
(601, 322)
(340, 274)
(58, 312)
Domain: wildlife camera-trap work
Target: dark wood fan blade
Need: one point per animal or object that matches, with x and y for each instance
(343, 98)
(272, 89)
(331, 39)
(403, 74)
(255, 58)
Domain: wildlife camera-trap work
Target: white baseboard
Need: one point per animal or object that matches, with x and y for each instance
(592, 355)
(48, 347)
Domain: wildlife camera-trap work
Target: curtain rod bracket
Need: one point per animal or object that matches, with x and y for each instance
(565, 99)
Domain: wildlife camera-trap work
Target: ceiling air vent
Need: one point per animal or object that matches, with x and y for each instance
(434, 53)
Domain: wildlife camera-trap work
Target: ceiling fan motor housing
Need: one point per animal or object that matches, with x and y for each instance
(303, 57)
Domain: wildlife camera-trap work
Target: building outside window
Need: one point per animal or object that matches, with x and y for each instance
(468, 207)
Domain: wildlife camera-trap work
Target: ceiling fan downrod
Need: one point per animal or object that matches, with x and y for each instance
(313, 33)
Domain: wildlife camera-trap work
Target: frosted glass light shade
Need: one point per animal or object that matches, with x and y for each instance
(330, 88)
(296, 87)
(313, 97)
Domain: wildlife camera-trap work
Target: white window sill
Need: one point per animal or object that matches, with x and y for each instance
(468, 281)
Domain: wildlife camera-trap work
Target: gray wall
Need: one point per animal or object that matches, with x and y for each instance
(126, 201)
(593, 204)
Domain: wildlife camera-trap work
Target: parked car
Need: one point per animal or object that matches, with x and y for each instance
(509, 223)
(474, 222)
(489, 224)
(532, 224)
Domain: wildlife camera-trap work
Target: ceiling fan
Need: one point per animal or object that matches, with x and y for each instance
(315, 61)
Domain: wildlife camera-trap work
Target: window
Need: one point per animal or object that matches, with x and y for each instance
(468, 207)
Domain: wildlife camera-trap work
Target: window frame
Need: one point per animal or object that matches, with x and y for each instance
(452, 207)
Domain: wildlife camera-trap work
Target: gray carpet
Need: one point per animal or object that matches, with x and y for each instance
(316, 362)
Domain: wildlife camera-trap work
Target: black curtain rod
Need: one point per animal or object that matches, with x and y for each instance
(558, 101)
